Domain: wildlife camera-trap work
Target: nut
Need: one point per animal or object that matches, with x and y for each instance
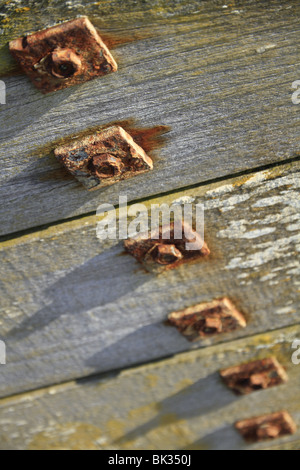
(63, 63)
(212, 325)
(107, 166)
(165, 254)
(207, 319)
(105, 158)
(164, 250)
(257, 375)
(266, 427)
(64, 55)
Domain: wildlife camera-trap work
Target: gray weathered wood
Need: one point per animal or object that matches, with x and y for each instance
(219, 77)
(180, 403)
(72, 305)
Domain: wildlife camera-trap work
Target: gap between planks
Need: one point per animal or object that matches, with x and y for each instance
(112, 374)
(39, 228)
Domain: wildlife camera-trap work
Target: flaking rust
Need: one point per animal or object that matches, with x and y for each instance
(257, 375)
(64, 55)
(207, 319)
(166, 250)
(104, 158)
(266, 427)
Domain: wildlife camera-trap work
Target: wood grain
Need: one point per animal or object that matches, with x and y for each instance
(220, 78)
(179, 403)
(72, 305)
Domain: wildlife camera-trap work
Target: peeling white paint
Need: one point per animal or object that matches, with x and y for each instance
(291, 198)
(274, 250)
(293, 227)
(267, 277)
(183, 200)
(284, 311)
(228, 188)
(267, 47)
(240, 232)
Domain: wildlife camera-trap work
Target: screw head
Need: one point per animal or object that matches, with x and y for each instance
(63, 63)
(260, 380)
(268, 431)
(212, 325)
(167, 254)
(107, 166)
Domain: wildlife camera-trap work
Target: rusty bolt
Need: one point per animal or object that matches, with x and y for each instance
(259, 381)
(207, 319)
(212, 325)
(63, 63)
(64, 55)
(165, 249)
(266, 427)
(268, 431)
(107, 166)
(166, 254)
(257, 375)
(104, 158)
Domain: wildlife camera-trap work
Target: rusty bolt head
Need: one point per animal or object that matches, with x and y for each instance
(63, 63)
(268, 431)
(166, 254)
(107, 166)
(212, 325)
(104, 158)
(259, 381)
(161, 257)
(165, 249)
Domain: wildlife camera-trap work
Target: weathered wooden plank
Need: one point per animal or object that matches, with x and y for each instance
(294, 445)
(180, 403)
(220, 78)
(72, 305)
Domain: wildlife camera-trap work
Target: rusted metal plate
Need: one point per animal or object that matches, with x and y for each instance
(207, 319)
(267, 427)
(167, 247)
(64, 55)
(257, 375)
(104, 159)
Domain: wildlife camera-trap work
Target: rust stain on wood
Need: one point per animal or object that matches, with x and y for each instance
(151, 139)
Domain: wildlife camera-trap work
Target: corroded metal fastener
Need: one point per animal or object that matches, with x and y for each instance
(64, 55)
(62, 63)
(266, 427)
(257, 375)
(165, 255)
(105, 158)
(164, 250)
(207, 319)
